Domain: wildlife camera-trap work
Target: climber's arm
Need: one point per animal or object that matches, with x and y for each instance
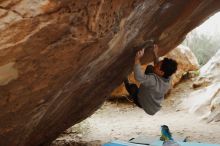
(138, 74)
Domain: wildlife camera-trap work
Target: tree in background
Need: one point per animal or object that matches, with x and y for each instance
(203, 46)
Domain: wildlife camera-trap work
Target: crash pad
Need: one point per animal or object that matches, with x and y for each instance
(156, 143)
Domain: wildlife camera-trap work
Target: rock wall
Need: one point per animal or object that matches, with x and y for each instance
(60, 58)
(186, 60)
(205, 100)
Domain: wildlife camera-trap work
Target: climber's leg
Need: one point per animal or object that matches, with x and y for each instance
(133, 91)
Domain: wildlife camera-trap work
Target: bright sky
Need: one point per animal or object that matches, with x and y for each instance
(210, 26)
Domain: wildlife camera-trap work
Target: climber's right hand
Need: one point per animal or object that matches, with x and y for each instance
(139, 55)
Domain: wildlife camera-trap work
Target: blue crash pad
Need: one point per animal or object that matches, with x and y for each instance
(159, 143)
(156, 143)
(121, 143)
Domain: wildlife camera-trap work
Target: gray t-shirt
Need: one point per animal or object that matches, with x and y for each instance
(151, 91)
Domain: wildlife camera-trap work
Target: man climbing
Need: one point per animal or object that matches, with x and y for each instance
(154, 83)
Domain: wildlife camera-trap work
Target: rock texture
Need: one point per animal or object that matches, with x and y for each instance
(187, 62)
(205, 101)
(60, 58)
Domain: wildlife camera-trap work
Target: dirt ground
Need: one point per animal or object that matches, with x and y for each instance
(121, 120)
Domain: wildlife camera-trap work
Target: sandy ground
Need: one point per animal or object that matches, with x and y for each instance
(122, 120)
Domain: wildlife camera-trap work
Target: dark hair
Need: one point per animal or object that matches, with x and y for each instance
(168, 66)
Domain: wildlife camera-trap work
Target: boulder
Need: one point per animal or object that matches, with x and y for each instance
(205, 100)
(59, 59)
(186, 62)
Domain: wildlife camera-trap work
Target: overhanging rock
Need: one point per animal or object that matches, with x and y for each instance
(60, 58)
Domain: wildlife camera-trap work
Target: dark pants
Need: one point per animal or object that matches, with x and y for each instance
(133, 88)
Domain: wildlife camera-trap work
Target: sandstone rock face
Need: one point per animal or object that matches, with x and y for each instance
(186, 62)
(205, 101)
(60, 58)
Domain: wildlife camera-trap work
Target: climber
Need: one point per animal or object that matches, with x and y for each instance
(154, 84)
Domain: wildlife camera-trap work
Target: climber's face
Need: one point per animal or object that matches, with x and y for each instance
(157, 69)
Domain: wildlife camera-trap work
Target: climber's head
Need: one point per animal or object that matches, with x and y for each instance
(166, 67)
